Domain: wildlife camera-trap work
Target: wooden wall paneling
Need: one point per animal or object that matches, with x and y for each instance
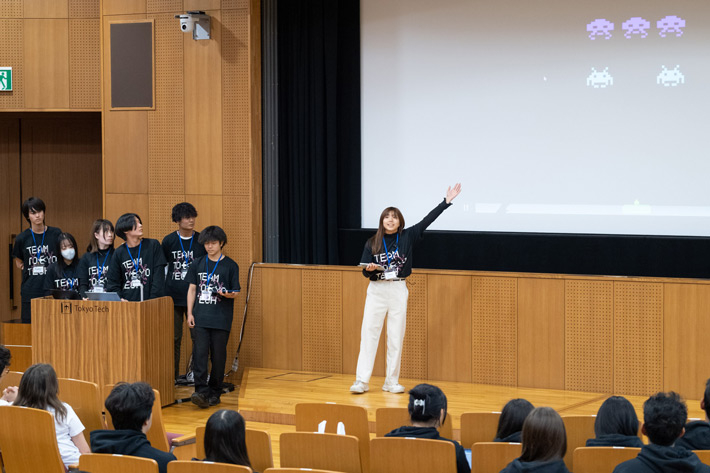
(161, 6)
(234, 4)
(354, 295)
(638, 338)
(160, 215)
(686, 359)
(252, 346)
(541, 333)
(85, 64)
(202, 5)
(449, 328)
(414, 349)
(495, 330)
(589, 335)
(126, 152)
(203, 112)
(116, 205)
(84, 9)
(281, 302)
(10, 222)
(123, 7)
(11, 55)
(46, 9)
(322, 330)
(46, 64)
(166, 124)
(255, 124)
(11, 9)
(210, 212)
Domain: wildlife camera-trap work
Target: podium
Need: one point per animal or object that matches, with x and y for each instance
(107, 342)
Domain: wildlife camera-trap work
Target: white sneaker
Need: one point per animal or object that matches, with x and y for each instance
(359, 387)
(393, 388)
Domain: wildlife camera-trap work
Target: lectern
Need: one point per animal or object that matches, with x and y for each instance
(107, 342)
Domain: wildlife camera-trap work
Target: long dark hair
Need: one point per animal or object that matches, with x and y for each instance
(425, 404)
(376, 239)
(616, 416)
(99, 226)
(225, 438)
(39, 389)
(544, 436)
(512, 418)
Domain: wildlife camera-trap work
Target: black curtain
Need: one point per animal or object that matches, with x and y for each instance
(319, 127)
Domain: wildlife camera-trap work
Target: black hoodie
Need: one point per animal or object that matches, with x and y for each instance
(555, 466)
(615, 440)
(659, 459)
(696, 436)
(515, 437)
(129, 442)
(433, 434)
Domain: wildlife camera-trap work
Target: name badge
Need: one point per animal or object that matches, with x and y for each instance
(135, 282)
(391, 274)
(38, 270)
(98, 288)
(183, 274)
(206, 295)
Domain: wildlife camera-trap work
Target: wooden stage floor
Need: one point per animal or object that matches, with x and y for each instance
(267, 400)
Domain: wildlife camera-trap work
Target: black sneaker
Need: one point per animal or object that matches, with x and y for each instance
(199, 400)
(214, 400)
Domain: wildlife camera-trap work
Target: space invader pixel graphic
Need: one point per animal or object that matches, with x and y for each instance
(670, 24)
(635, 26)
(670, 77)
(600, 79)
(600, 27)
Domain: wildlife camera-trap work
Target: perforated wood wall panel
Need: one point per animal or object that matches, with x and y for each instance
(84, 8)
(84, 64)
(166, 124)
(589, 329)
(414, 349)
(11, 33)
(638, 342)
(160, 214)
(235, 103)
(237, 225)
(322, 321)
(161, 6)
(251, 354)
(10, 9)
(494, 330)
(233, 4)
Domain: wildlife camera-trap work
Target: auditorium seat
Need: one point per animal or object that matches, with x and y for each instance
(182, 466)
(25, 430)
(109, 463)
(296, 470)
(579, 429)
(354, 418)
(258, 447)
(478, 427)
(491, 457)
(412, 455)
(85, 399)
(704, 456)
(389, 418)
(12, 378)
(601, 459)
(320, 451)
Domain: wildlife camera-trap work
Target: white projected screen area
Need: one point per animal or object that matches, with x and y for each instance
(556, 116)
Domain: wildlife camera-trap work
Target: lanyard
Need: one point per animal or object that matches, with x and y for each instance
(39, 250)
(207, 268)
(101, 268)
(138, 258)
(184, 253)
(387, 252)
(71, 280)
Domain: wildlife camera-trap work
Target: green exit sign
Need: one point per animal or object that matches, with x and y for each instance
(5, 78)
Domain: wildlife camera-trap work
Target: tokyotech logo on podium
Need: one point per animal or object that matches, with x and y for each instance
(66, 308)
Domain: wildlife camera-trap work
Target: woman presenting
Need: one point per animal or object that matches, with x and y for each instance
(388, 260)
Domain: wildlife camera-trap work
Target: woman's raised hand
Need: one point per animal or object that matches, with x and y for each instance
(452, 192)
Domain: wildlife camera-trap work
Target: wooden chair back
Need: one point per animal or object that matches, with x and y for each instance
(478, 427)
(12, 378)
(492, 457)
(21, 356)
(296, 470)
(107, 463)
(579, 429)
(389, 418)
(29, 443)
(354, 418)
(704, 456)
(85, 399)
(320, 451)
(412, 455)
(157, 435)
(258, 447)
(184, 466)
(601, 459)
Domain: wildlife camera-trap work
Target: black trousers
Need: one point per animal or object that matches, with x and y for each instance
(26, 314)
(180, 314)
(210, 342)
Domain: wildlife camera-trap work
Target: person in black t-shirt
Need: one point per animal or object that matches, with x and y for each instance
(93, 266)
(35, 249)
(62, 277)
(697, 433)
(214, 283)
(181, 248)
(137, 268)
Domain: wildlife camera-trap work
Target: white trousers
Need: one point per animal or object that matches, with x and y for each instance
(384, 298)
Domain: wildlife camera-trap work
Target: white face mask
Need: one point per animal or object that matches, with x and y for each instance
(69, 253)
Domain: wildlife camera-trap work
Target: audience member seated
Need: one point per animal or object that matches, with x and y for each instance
(510, 424)
(130, 406)
(9, 393)
(697, 433)
(225, 438)
(616, 425)
(544, 444)
(427, 411)
(39, 389)
(664, 416)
